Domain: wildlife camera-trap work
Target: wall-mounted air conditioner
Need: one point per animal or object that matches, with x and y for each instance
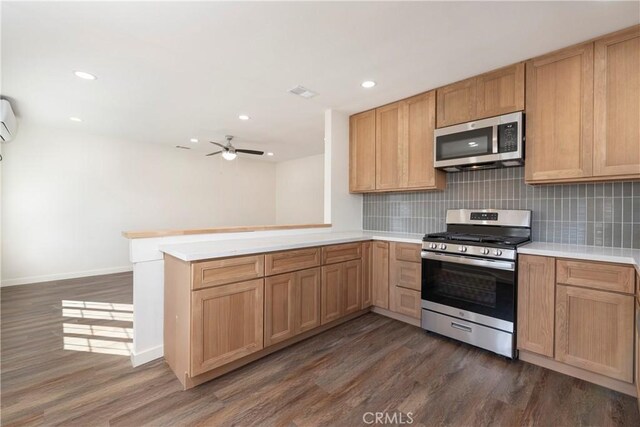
(8, 123)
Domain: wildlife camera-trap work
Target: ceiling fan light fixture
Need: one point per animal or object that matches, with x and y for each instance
(228, 155)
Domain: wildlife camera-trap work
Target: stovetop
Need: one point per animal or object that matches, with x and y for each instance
(472, 239)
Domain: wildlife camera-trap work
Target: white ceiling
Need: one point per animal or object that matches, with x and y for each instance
(170, 71)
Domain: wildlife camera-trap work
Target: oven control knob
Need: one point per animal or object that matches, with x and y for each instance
(497, 252)
(485, 251)
(433, 246)
(462, 248)
(443, 246)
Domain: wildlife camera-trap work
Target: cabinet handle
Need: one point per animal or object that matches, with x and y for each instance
(461, 327)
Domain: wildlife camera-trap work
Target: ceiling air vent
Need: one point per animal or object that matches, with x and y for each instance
(303, 92)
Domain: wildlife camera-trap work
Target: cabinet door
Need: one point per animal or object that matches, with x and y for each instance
(456, 103)
(420, 117)
(536, 306)
(638, 347)
(366, 293)
(352, 282)
(594, 331)
(332, 295)
(226, 324)
(405, 274)
(389, 137)
(307, 299)
(500, 91)
(559, 109)
(380, 275)
(617, 104)
(405, 301)
(362, 151)
(279, 306)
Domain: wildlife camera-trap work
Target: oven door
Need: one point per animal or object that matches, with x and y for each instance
(459, 284)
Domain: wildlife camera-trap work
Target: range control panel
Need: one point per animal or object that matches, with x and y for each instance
(484, 216)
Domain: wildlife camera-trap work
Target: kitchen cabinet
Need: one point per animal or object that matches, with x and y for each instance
(638, 346)
(594, 331)
(403, 147)
(227, 324)
(559, 108)
(362, 152)
(616, 129)
(367, 266)
(536, 304)
(487, 95)
(380, 274)
(227, 270)
(292, 304)
(583, 111)
(405, 273)
(340, 290)
(286, 261)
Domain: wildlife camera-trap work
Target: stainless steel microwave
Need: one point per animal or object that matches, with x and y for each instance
(484, 144)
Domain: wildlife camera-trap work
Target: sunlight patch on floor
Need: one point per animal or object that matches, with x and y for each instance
(93, 345)
(97, 330)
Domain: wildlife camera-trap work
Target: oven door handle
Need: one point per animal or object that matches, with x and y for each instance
(489, 263)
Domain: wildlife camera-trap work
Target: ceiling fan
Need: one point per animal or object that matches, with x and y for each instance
(229, 152)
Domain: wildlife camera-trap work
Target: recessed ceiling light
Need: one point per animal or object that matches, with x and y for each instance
(269, 153)
(84, 75)
(243, 117)
(193, 140)
(368, 84)
(75, 119)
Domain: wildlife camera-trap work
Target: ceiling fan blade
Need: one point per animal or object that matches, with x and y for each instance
(256, 152)
(218, 144)
(214, 153)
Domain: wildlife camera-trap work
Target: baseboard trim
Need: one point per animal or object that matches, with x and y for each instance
(397, 316)
(147, 356)
(572, 371)
(63, 276)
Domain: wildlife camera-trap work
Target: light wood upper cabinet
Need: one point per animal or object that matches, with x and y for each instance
(559, 108)
(390, 130)
(594, 331)
(500, 91)
(366, 294)
(380, 274)
(226, 324)
(457, 103)
(362, 152)
(417, 145)
(487, 95)
(536, 304)
(279, 308)
(616, 129)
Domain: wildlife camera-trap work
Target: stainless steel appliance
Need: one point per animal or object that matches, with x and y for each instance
(469, 277)
(484, 144)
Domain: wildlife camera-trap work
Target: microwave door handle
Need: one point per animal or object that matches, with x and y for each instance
(499, 265)
(494, 138)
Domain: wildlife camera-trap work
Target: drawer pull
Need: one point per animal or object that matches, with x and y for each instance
(461, 327)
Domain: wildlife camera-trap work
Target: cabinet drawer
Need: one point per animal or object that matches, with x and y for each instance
(405, 301)
(406, 275)
(284, 262)
(229, 270)
(340, 253)
(407, 252)
(597, 275)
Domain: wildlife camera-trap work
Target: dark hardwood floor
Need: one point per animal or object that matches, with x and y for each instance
(371, 364)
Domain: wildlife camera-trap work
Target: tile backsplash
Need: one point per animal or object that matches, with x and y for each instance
(598, 214)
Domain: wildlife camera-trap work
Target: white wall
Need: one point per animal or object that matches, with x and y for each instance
(300, 190)
(67, 196)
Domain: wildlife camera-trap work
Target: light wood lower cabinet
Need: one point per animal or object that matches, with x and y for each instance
(536, 304)
(405, 283)
(226, 324)
(380, 274)
(341, 285)
(594, 331)
(367, 292)
(638, 346)
(307, 307)
(405, 301)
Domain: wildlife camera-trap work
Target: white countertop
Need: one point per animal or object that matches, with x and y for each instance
(593, 253)
(225, 248)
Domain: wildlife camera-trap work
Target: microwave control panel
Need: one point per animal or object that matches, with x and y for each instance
(508, 137)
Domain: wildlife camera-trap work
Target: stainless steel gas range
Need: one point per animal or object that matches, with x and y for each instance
(469, 277)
